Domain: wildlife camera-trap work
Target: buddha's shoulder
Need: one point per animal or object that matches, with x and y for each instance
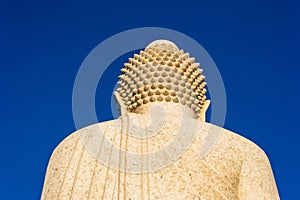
(224, 139)
(75, 140)
(230, 141)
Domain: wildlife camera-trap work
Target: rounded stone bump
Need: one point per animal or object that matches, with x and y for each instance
(188, 91)
(149, 75)
(121, 91)
(130, 107)
(134, 105)
(182, 89)
(126, 98)
(134, 91)
(140, 102)
(153, 86)
(125, 87)
(189, 70)
(124, 70)
(161, 86)
(197, 109)
(165, 92)
(140, 84)
(161, 80)
(144, 95)
(168, 99)
(193, 106)
(159, 98)
(196, 102)
(146, 82)
(138, 96)
(132, 87)
(178, 76)
(141, 89)
(184, 78)
(152, 69)
(152, 99)
(182, 101)
(180, 94)
(147, 87)
(160, 68)
(172, 93)
(196, 65)
(145, 101)
(193, 95)
(191, 60)
(182, 83)
(157, 92)
(188, 103)
(180, 71)
(175, 100)
(150, 93)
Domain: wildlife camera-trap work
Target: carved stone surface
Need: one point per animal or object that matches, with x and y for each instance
(162, 73)
(87, 166)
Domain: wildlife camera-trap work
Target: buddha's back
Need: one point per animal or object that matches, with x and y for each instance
(235, 168)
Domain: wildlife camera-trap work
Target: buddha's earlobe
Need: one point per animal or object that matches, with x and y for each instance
(202, 114)
(120, 103)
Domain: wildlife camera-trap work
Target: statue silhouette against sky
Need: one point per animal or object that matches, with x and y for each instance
(160, 147)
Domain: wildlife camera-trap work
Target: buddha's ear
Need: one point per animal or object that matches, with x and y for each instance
(203, 110)
(120, 103)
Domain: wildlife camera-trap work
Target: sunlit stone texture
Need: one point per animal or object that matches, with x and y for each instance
(163, 132)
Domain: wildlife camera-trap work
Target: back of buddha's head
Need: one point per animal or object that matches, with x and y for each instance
(161, 73)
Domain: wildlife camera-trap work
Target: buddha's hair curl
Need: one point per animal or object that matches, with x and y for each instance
(162, 72)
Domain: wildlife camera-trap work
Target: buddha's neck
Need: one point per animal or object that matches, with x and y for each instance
(166, 108)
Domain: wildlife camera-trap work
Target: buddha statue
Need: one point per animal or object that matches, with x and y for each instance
(160, 147)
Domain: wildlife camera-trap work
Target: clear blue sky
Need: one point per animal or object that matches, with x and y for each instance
(255, 44)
